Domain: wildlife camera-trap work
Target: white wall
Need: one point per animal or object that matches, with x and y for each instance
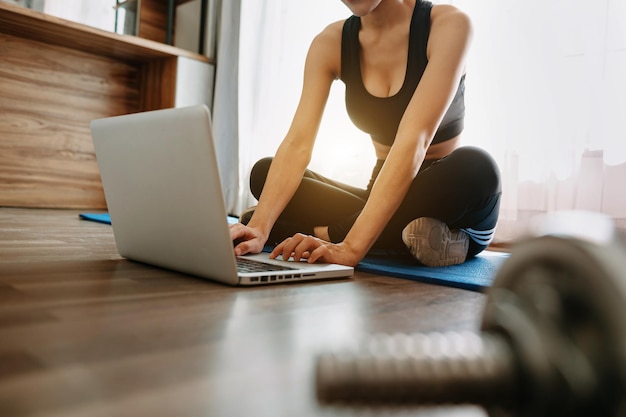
(96, 13)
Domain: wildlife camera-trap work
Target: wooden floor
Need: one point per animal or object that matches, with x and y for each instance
(84, 332)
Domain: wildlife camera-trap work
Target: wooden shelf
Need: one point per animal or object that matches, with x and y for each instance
(55, 77)
(30, 24)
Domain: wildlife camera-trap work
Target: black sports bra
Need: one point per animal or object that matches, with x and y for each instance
(380, 116)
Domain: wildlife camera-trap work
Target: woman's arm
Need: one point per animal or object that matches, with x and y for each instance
(447, 48)
(294, 153)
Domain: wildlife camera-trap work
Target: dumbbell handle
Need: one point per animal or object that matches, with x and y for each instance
(421, 368)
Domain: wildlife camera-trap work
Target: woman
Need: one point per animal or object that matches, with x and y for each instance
(403, 64)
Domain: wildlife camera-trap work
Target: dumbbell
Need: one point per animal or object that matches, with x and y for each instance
(552, 341)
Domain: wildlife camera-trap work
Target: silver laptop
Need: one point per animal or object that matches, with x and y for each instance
(162, 187)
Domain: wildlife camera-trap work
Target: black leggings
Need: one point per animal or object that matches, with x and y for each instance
(462, 190)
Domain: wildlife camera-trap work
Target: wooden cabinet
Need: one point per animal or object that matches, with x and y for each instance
(55, 77)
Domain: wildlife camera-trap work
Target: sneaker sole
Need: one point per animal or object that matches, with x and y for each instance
(246, 215)
(433, 243)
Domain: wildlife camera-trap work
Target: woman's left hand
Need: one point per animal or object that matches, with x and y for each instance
(312, 249)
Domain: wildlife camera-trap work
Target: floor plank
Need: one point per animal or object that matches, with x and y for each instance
(84, 332)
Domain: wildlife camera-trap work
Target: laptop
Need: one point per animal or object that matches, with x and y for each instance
(164, 195)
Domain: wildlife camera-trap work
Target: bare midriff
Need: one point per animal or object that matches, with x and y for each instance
(435, 151)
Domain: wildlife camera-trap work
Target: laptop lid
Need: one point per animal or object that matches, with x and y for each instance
(163, 192)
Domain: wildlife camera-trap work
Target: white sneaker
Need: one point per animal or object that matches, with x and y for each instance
(432, 242)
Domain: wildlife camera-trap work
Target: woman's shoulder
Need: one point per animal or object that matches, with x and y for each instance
(450, 29)
(325, 49)
(332, 32)
(329, 39)
(448, 15)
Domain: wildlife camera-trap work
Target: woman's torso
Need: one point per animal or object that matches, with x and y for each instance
(381, 77)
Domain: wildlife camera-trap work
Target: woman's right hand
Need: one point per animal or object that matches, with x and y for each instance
(246, 239)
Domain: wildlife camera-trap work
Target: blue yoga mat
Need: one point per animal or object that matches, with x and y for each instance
(96, 217)
(476, 274)
(106, 218)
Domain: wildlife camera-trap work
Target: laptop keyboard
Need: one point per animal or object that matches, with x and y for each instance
(249, 265)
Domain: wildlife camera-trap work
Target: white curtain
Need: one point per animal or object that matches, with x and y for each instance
(225, 99)
(546, 95)
(275, 38)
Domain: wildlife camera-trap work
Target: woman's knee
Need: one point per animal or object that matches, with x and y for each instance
(258, 174)
(481, 166)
